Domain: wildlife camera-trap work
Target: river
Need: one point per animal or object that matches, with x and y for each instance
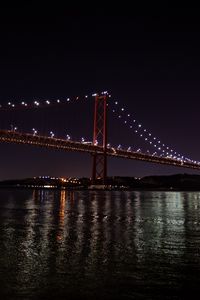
(99, 244)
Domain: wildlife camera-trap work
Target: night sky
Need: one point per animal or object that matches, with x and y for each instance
(149, 63)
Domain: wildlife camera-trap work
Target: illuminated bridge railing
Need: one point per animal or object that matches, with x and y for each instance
(9, 136)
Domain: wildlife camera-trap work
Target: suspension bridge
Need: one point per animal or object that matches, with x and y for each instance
(99, 148)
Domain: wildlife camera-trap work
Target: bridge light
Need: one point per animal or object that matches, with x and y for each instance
(58, 101)
(153, 141)
(34, 131)
(47, 102)
(52, 134)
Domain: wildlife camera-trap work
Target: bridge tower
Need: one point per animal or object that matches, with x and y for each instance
(99, 170)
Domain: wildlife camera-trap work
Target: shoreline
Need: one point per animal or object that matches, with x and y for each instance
(101, 190)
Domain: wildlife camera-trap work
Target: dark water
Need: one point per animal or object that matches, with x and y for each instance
(99, 245)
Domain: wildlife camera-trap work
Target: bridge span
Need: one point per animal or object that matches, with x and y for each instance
(10, 136)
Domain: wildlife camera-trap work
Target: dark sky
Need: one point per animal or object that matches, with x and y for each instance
(149, 62)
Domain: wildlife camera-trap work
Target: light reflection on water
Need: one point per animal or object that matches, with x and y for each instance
(94, 245)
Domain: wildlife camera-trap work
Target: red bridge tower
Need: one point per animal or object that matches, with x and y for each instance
(99, 171)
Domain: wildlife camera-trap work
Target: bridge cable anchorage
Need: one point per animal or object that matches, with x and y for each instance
(128, 120)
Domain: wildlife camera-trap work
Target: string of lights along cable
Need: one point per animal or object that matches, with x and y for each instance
(124, 116)
(161, 149)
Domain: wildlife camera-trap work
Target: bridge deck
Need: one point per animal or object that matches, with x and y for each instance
(9, 136)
